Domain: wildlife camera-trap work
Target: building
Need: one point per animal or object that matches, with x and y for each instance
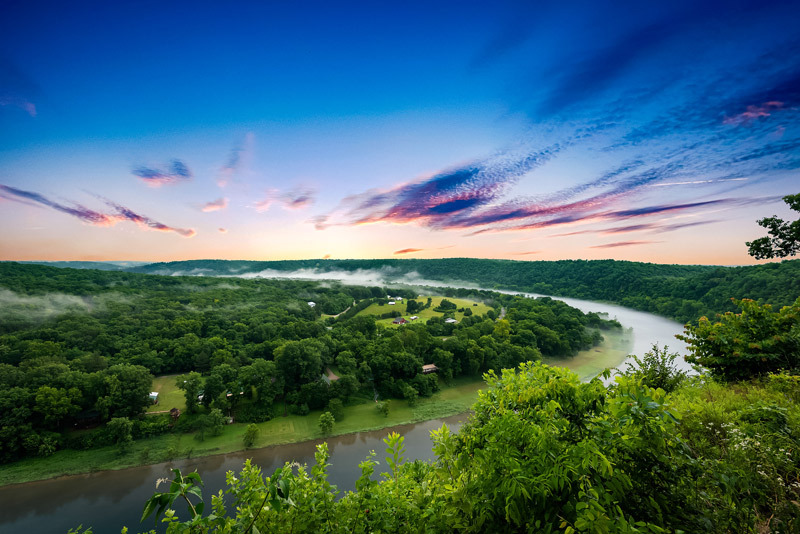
(450, 320)
(399, 320)
(153, 397)
(391, 303)
(312, 304)
(413, 318)
(429, 368)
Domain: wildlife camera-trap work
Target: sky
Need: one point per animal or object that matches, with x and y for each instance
(162, 131)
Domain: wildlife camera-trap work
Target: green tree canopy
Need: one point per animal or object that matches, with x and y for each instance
(784, 237)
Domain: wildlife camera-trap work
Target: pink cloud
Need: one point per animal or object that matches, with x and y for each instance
(754, 113)
(408, 250)
(215, 205)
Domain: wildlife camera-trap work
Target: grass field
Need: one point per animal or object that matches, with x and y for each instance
(169, 396)
(424, 315)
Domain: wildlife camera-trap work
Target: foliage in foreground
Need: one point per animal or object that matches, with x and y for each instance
(544, 452)
(748, 344)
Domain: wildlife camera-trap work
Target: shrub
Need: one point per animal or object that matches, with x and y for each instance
(656, 369)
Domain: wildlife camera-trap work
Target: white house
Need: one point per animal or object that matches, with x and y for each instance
(450, 320)
(312, 304)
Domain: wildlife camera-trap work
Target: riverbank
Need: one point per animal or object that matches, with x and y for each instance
(451, 400)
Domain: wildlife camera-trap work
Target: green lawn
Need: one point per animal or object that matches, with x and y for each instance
(169, 396)
(424, 315)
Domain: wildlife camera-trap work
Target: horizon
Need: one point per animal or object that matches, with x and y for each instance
(268, 132)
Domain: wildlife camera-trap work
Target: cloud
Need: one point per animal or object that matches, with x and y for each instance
(92, 217)
(527, 253)
(326, 257)
(215, 205)
(293, 199)
(176, 171)
(223, 230)
(17, 89)
(408, 251)
(625, 244)
(754, 113)
(236, 162)
(446, 197)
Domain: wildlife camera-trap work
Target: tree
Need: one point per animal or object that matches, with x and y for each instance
(216, 422)
(326, 422)
(55, 404)
(742, 345)
(336, 408)
(121, 431)
(250, 435)
(126, 390)
(785, 236)
(656, 369)
(383, 407)
(190, 384)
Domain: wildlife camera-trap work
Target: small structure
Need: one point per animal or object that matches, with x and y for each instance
(450, 320)
(311, 304)
(174, 413)
(413, 318)
(399, 299)
(391, 303)
(399, 320)
(153, 397)
(429, 368)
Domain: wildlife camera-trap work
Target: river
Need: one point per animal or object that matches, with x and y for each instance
(110, 499)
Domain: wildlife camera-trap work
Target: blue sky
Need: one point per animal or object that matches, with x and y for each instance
(165, 131)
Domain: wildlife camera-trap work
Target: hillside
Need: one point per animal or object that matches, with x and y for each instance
(682, 292)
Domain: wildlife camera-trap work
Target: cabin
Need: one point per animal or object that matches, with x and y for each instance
(399, 320)
(153, 397)
(429, 368)
(311, 304)
(413, 318)
(450, 320)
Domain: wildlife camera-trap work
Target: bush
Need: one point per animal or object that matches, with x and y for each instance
(250, 436)
(336, 408)
(326, 422)
(752, 343)
(656, 369)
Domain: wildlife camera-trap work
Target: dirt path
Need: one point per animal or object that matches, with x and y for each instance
(331, 375)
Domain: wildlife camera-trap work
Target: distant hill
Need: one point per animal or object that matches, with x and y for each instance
(99, 265)
(683, 292)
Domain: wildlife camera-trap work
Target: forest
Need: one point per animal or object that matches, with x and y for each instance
(681, 292)
(81, 347)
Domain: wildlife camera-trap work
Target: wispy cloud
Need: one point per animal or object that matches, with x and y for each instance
(223, 230)
(236, 161)
(293, 199)
(625, 244)
(174, 172)
(92, 217)
(407, 251)
(440, 200)
(215, 205)
(17, 89)
(527, 253)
